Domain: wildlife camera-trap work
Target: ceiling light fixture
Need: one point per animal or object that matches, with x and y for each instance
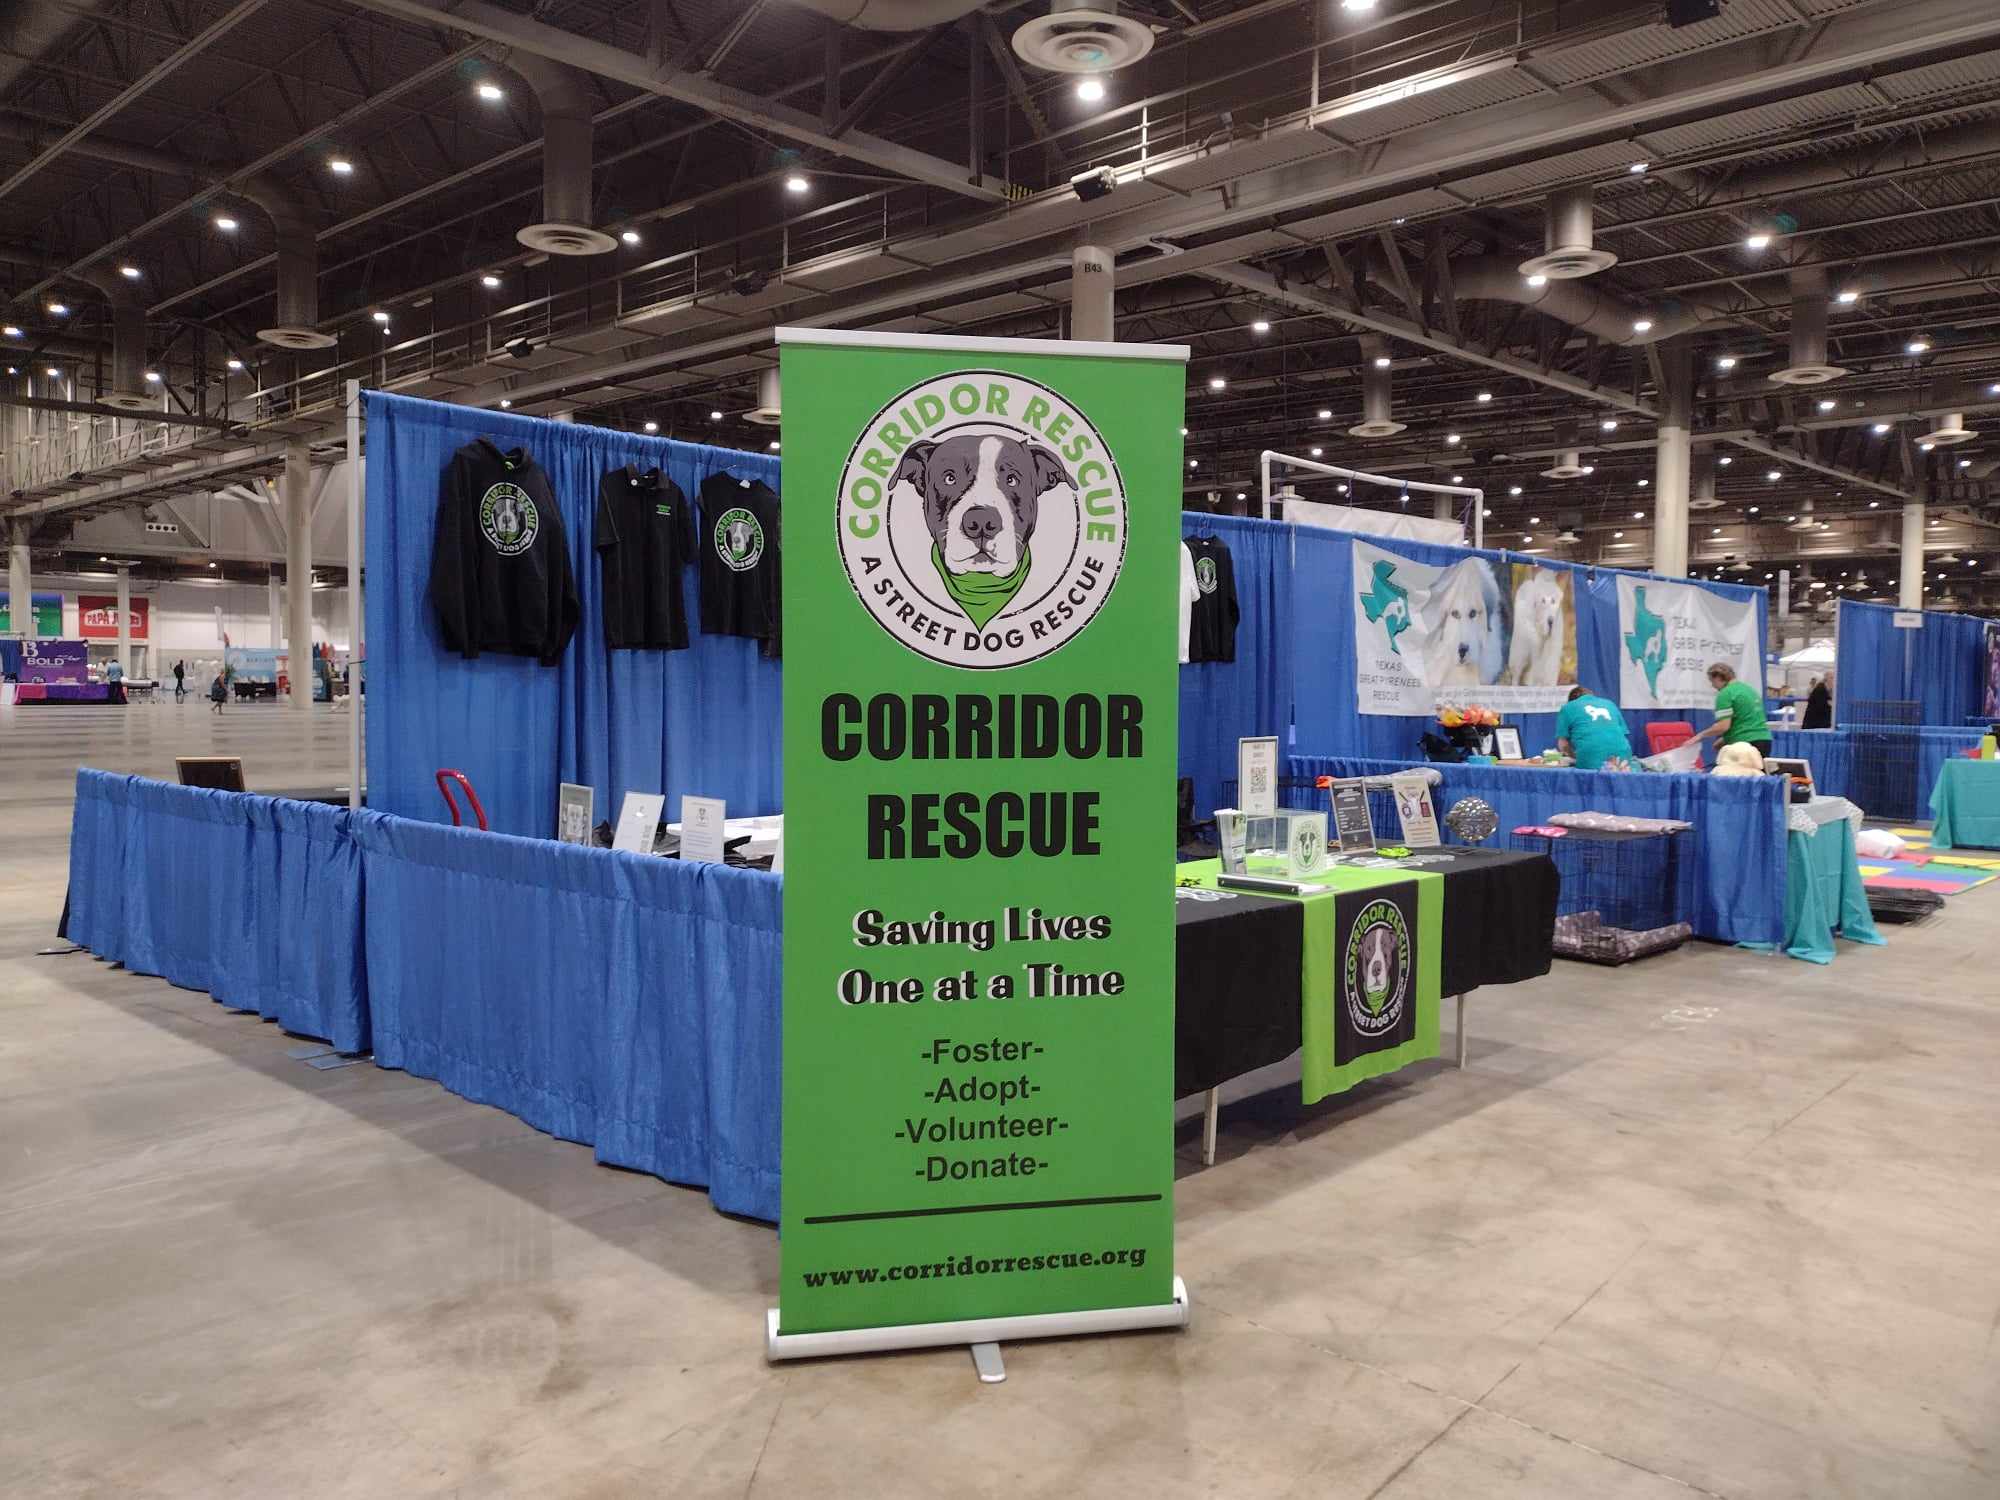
(1183, 432)
(235, 364)
(1357, 7)
(1381, 361)
(1725, 460)
(1609, 424)
(492, 93)
(1217, 383)
(130, 273)
(1773, 475)
(1452, 439)
(340, 166)
(1917, 346)
(1757, 242)
(53, 373)
(1848, 298)
(1483, 397)
(1325, 414)
(1617, 536)
(629, 236)
(152, 377)
(505, 403)
(489, 281)
(1642, 325)
(774, 445)
(1513, 489)
(379, 316)
(1090, 90)
(652, 427)
(1316, 452)
(1828, 405)
(1644, 482)
(11, 330)
(226, 224)
(1638, 515)
(1638, 168)
(59, 309)
(1260, 326)
(1538, 279)
(715, 416)
(1194, 463)
(797, 183)
(1726, 362)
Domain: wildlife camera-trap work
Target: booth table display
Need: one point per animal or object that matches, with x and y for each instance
(1248, 984)
(69, 692)
(1823, 891)
(1965, 805)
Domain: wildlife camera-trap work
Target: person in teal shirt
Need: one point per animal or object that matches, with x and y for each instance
(1739, 712)
(1592, 730)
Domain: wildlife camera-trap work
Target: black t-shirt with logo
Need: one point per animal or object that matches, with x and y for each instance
(738, 548)
(1212, 621)
(645, 536)
(500, 571)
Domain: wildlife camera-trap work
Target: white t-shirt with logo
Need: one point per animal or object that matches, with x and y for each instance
(1190, 593)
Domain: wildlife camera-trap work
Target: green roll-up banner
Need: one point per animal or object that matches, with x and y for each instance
(981, 561)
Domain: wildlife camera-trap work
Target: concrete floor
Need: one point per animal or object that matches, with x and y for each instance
(1716, 1224)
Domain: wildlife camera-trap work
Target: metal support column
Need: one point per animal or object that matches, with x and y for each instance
(1443, 508)
(125, 619)
(297, 497)
(20, 582)
(275, 603)
(1671, 461)
(1910, 588)
(1092, 298)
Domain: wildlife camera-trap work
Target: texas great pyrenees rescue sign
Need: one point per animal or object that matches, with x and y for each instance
(1482, 630)
(981, 694)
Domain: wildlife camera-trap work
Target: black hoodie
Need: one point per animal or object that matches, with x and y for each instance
(500, 573)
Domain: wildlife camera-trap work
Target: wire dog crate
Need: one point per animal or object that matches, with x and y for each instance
(1620, 893)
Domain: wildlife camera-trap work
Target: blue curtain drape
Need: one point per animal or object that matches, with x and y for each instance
(255, 899)
(1941, 666)
(704, 720)
(1294, 670)
(623, 1001)
(1732, 867)
(1833, 754)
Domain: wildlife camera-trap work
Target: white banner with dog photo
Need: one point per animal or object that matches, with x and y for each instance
(1483, 630)
(1670, 633)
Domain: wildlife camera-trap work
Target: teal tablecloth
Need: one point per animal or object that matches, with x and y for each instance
(1823, 893)
(1965, 805)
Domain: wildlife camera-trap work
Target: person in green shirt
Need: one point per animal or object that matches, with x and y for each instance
(1592, 730)
(1739, 712)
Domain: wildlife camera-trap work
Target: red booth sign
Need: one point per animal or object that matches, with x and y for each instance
(97, 617)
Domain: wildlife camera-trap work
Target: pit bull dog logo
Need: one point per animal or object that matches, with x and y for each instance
(1375, 976)
(508, 519)
(981, 519)
(982, 497)
(739, 539)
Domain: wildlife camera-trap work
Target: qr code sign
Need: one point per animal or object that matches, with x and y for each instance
(1260, 779)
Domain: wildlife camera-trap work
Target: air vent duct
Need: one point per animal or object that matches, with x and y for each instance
(1805, 521)
(1809, 363)
(1078, 36)
(296, 323)
(1569, 237)
(567, 108)
(1950, 431)
(1703, 495)
(766, 412)
(1377, 419)
(1569, 459)
(127, 389)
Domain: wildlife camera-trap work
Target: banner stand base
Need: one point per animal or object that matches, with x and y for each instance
(982, 1335)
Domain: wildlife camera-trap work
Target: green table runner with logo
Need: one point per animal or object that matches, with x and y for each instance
(1368, 982)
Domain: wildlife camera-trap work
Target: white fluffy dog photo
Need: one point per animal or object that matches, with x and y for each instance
(1468, 646)
(1534, 658)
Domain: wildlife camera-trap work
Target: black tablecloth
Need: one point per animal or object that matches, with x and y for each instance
(1236, 985)
(1237, 979)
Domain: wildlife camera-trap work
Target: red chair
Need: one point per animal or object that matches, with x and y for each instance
(1663, 737)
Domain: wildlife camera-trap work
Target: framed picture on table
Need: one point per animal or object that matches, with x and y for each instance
(1507, 742)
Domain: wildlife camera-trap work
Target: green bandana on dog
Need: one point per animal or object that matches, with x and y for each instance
(981, 595)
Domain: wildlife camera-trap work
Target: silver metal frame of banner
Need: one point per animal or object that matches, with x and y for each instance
(1211, 1104)
(1478, 496)
(983, 1336)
